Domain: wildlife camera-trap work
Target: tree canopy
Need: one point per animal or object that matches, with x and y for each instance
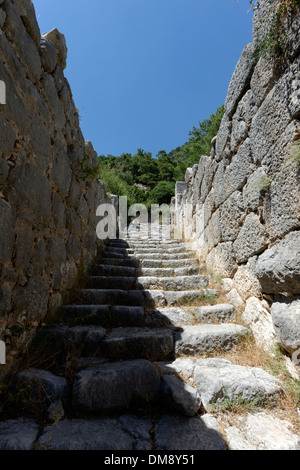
(151, 180)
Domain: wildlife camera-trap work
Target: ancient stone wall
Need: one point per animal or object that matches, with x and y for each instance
(240, 207)
(48, 190)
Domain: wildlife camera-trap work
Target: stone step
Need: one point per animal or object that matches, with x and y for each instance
(80, 340)
(104, 315)
(121, 433)
(150, 241)
(147, 298)
(174, 263)
(155, 249)
(208, 339)
(131, 283)
(177, 317)
(118, 262)
(126, 271)
(146, 249)
(138, 343)
(116, 386)
(114, 255)
(111, 270)
(220, 381)
(165, 256)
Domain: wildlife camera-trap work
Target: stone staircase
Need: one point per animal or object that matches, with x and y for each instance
(133, 366)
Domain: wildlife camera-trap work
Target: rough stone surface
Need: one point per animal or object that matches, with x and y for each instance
(18, 434)
(180, 395)
(219, 380)
(59, 41)
(278, 268)
(98, 388)
(197, 339)
(41, 147)
(286, 319)
(258, 318)
(241, 78)
(262, 431)
(125, 433)
(188, 434)
(44, 387)
(244, 200)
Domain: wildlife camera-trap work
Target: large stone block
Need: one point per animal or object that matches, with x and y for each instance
(219, 185)
(61, 170)
(240, 168)
(40, 141)
(280, 107)
(258, 318)
(221, 260)
(241, 120)
(31, 191)
(7, 238)
(48, 55)
(23, 45)
(255, 190)
(223, 136)
(282, 206)
(27, 13)
(262, 80)
(241, 78)
(59, 41)
(7, 137)
(232, 216)
(251, 240)
(286, 319)
(246, 282)
(278, 268)
(32, 300)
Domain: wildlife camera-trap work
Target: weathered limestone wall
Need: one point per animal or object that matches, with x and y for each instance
(47, 202)
(240, 207)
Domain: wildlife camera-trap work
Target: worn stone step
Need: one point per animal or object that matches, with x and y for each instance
(120, 433)
(131, 283)
(177, 317)
(112, 254)
(115, 386)
(165, 256)
(171, 263)
(214, 313)
(169, 272)
(118, 262)
(145, 250)
(80, 339)
(110, 270)
(220, 382)
(123, 433)
(139, 343)
(207, 339)
(158, 249)
(147, 298)
(127, 271)
(104, 315)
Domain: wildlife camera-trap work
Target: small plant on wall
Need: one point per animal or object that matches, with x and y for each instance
(273, 43)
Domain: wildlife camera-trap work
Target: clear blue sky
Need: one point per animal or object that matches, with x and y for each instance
(144, 72)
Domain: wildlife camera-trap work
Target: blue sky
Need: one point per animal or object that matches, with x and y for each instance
(144, 72)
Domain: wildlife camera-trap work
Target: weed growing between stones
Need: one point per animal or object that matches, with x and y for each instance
(294, 152)
(248, 353)
(274, 43)
(262, 184)
(243, 406)
(88, 172)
